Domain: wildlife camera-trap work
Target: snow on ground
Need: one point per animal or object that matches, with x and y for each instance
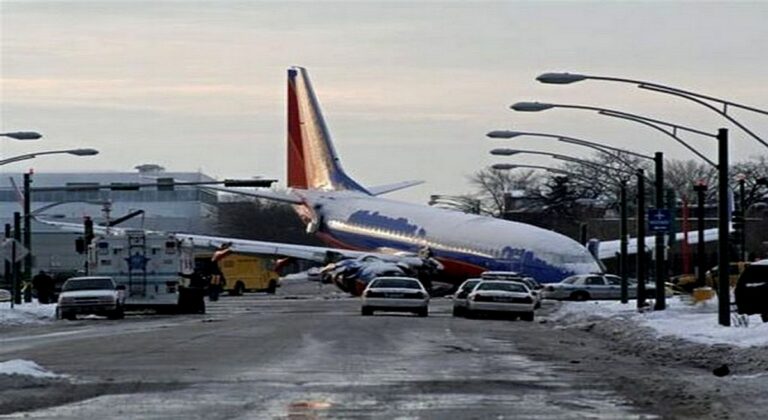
(682, 319)
(25, 367)
(26, 313)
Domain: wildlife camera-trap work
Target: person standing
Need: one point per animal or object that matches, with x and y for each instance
(43, 284)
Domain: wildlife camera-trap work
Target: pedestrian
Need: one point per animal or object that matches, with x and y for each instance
(43, 285)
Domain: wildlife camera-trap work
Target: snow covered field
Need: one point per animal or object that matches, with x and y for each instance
(26, 313)
(682, 319)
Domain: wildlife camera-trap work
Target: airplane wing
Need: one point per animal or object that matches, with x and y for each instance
(610, 249)
(383, 189)
(263, 193)
(247, 246)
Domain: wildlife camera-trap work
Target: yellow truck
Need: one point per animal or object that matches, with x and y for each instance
(244, 273)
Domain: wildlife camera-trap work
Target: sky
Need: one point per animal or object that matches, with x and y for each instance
(408, 89)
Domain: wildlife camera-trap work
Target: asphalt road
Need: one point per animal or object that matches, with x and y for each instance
(298, 355)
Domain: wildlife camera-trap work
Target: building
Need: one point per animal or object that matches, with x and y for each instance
(166, 207)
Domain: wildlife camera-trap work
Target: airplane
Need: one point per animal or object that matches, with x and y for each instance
(356, 223)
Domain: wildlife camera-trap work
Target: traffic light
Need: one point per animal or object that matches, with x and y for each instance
(738, 223)
(88, 227)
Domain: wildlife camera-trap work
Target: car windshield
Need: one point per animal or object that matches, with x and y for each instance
(571, 280)
(468, 285)
(396, 284)
(506, 286)
(88, 284)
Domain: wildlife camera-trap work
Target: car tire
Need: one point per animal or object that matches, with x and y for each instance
(457, 312)
(470, 314)
(238, 289)
(580, 296)
(365, 311)
(117, 314)
(272, 288)
(68, 316)
(423, 312)
(527, 316)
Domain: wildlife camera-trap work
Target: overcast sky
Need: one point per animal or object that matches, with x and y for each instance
(408, 89)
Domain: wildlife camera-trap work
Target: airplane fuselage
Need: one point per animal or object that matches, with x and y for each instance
(466, 244)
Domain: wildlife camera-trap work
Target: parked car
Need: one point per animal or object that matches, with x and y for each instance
(395, 294)
(91, 295)
(501, 297)
(5, 296)
(593, 286)
(752, 290)
(460, 297)
(532, 284)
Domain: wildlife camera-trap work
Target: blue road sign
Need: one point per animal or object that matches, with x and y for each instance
(659, 220)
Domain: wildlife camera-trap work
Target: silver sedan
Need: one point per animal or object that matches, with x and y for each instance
(591, 286)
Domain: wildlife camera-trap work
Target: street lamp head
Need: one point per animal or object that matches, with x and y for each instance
(503, 166)
(22, 135)
(531, 106)
(83, 152)
(560, 78)
(503, 134)
(504, 152)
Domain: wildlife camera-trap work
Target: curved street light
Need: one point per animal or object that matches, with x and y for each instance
(567, 78)
(651, 122)
(722, 165)
(75, 152)
(22, 135)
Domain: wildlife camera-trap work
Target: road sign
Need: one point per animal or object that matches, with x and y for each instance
(8, 251)
(659, 220)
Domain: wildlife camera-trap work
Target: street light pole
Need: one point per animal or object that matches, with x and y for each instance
(724, 290)
(27, 219)
(660, 252)
(641, 267)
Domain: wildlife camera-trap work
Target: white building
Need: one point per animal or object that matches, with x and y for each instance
(170, 208)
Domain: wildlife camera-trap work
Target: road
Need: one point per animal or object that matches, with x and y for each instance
(307, 356)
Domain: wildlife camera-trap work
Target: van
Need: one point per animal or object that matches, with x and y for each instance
(244, 273)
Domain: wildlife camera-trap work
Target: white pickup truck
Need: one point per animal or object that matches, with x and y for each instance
(91, 295)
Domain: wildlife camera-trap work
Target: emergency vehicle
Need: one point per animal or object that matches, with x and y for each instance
(154, 268)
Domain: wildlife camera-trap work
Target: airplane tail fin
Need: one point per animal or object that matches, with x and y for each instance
(312, 159)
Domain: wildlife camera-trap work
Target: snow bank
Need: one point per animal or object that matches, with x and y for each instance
(26, 313)
(25, 367)
(682, 319)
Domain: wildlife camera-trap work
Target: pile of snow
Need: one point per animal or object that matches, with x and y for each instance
(25, 367)
(26, 313)
(682, 319)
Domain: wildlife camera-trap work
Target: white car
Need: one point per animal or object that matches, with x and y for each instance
(395, 294)
(501, 297)
(90, 295)
(593, 286)
(460, 297)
